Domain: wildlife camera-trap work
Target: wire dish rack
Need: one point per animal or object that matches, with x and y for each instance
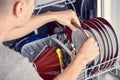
(46, 3)
(114, 70)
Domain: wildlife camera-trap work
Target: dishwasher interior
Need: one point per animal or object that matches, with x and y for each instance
(86, 10)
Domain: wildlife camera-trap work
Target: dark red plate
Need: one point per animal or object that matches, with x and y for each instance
(113, 38)
(88, 29)
(110, 45)
(101, 42)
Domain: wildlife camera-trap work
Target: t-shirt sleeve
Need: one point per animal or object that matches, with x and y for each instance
(24, 71)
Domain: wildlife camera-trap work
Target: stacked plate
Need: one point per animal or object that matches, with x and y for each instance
(106, 37)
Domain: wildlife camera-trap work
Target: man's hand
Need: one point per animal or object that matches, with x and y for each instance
(66, 18)
(89, 50)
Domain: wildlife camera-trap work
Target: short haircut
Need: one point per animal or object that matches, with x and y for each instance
(6, 4)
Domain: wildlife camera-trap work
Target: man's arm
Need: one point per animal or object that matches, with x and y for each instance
(63, 17)
(41, 78)
(34, 23)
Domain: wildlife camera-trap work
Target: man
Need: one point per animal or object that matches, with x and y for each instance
(16, 13)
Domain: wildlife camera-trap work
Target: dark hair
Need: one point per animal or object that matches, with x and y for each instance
(6, 4)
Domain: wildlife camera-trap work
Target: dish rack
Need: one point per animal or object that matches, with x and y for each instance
(39, 5)
(114, 70)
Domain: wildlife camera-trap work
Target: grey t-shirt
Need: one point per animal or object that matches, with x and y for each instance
(13, 66)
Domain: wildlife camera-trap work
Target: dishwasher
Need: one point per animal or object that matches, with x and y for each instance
(104, 9)
(96, 17)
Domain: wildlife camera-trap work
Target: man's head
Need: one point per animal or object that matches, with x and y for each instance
(16, 12)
